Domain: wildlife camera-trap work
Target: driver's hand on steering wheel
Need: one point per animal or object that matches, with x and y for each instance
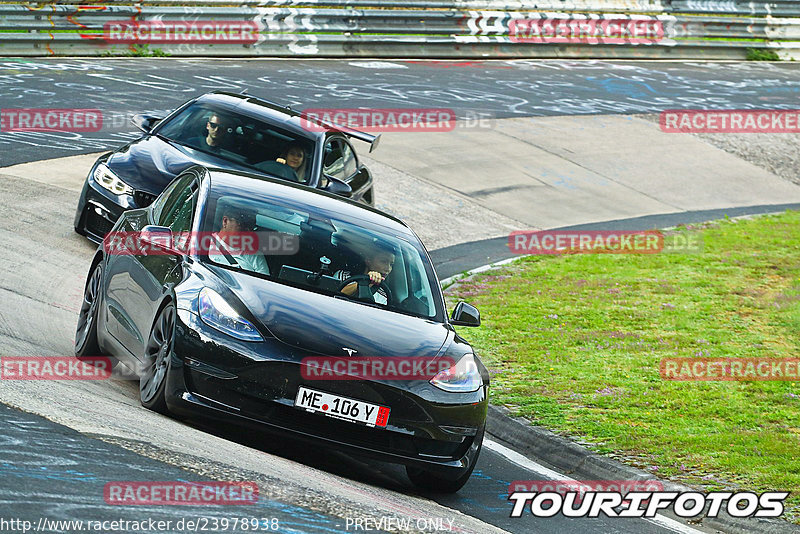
(375, 277)
(281, 160)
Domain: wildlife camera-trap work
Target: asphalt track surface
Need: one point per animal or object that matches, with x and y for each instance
(50, 469)
(499, 89)
(41, 291)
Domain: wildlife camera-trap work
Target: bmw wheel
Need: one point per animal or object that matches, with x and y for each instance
(86, 334)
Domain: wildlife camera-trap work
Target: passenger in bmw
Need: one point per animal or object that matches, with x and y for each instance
(378, 263)
(295, 157)
(236, 220)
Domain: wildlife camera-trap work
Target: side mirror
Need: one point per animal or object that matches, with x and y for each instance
(159, 236)
(466, 315)
(338, 187)
(145, 122)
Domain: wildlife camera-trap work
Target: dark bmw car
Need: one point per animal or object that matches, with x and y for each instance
(217, 333)
(223, 130)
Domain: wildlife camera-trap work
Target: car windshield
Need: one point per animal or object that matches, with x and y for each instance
(243, 140)
(323, 252)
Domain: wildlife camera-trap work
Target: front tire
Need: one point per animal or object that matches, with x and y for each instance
(430, 481)
(157, 353)
(86, 343)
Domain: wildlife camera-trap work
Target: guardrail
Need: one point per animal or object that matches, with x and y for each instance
(693, 29)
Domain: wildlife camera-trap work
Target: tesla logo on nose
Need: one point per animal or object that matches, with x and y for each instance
(349, 352)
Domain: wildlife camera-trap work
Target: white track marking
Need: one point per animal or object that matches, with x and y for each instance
(523, 461)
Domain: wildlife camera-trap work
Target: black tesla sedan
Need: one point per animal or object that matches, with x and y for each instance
(289, 340)
(223, 130)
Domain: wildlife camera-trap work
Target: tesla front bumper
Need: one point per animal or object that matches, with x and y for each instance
(256, 383)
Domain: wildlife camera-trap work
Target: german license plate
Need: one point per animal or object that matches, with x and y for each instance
(341, 407)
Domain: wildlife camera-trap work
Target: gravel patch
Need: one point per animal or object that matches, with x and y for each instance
(778, 153)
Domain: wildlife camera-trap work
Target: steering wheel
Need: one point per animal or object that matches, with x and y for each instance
(363, 291)
(281, 170)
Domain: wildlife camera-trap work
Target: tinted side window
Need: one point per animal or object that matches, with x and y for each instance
(340, 160)
(333, 165)
(163, 198)
(181, 217)
(350, 164)
(177, 208)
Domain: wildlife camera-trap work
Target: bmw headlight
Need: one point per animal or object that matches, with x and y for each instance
(463, 377)
(108, 180)
(217, 313)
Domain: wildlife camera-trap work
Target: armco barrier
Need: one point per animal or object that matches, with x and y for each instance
(701, 29)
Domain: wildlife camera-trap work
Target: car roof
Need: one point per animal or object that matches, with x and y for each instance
(243, 182)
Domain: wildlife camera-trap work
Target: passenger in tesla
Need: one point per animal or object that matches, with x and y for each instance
(235, 221)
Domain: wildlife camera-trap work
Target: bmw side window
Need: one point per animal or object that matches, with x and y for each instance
(333, 164)
(349, 161)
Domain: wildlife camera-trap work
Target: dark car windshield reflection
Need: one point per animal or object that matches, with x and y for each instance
(242, 140)
(329, 254)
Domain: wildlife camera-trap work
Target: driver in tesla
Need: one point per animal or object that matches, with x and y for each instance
(378, 263)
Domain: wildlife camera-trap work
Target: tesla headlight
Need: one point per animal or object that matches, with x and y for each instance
(462, 377)
(217, 313)
(108, 180)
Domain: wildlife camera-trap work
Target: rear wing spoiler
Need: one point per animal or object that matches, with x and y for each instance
(373, 140)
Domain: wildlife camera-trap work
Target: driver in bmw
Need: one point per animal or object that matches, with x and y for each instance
(378, 261)
(217, 129)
